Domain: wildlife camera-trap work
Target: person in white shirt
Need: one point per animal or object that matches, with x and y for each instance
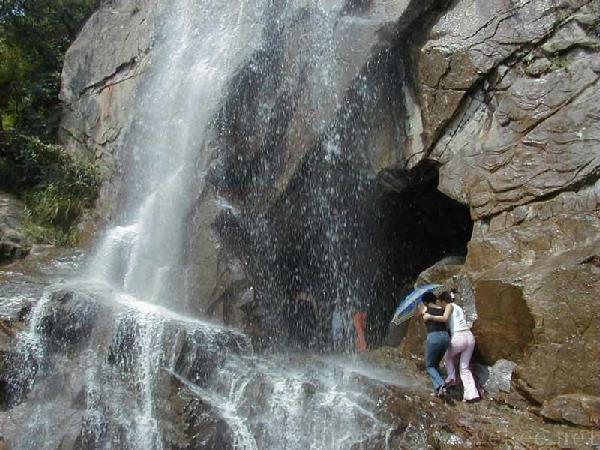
(462, 342)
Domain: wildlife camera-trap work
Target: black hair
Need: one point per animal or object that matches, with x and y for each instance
(446, 297)
(428, 298)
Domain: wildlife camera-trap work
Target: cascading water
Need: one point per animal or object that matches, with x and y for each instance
(118, 361)
(200, 46)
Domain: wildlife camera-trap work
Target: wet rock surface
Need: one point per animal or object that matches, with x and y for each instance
(14, 244)
(210, 391)
(22, 284)
(69, 370)
(501, 96)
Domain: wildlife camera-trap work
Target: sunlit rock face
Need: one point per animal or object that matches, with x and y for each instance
(509, 97)
(103, 71)
(326, 148)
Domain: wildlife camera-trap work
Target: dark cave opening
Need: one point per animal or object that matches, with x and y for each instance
(418, 226)
(336, 236)
(345, 243)
(387, 232)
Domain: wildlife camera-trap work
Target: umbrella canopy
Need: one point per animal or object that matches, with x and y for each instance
(406, 309)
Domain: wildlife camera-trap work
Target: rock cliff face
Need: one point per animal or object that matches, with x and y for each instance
(327, 166)
(512, 117)
(103, 72)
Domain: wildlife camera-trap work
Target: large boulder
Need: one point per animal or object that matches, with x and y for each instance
(535, 282)
(504, 326)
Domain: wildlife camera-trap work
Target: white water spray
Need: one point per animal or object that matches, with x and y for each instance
(137, 267)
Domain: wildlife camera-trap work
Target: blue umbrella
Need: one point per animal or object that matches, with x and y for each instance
(407, 307)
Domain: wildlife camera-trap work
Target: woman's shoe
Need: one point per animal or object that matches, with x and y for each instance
(441, 392)
(450, 383)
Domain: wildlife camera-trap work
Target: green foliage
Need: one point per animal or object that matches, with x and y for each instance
(34, 35)
(28, 162)
(56, 187)
(51, 235)
(560, 62)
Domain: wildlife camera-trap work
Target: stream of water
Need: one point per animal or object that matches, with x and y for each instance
(118, 362)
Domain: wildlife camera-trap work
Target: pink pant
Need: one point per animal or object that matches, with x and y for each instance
(463, 343)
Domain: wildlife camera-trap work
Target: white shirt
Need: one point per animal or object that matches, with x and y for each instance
(458, 322)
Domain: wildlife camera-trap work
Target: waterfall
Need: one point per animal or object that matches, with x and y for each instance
(200, 45)
(119, 361)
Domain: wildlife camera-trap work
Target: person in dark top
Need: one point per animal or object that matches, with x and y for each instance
(462, 342)
(437, 341)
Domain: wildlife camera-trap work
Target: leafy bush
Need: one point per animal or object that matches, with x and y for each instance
(34, 36)
(55, 186)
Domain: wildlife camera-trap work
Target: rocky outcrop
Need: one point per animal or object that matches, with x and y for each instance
(329, 139)
(582, 410)
(508, 97)
(549, 272)
(103, 71)
(68, 360)
(515, 137)
(13, 242)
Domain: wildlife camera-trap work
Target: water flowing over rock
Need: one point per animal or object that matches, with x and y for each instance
(114, 357)
(271, 165)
